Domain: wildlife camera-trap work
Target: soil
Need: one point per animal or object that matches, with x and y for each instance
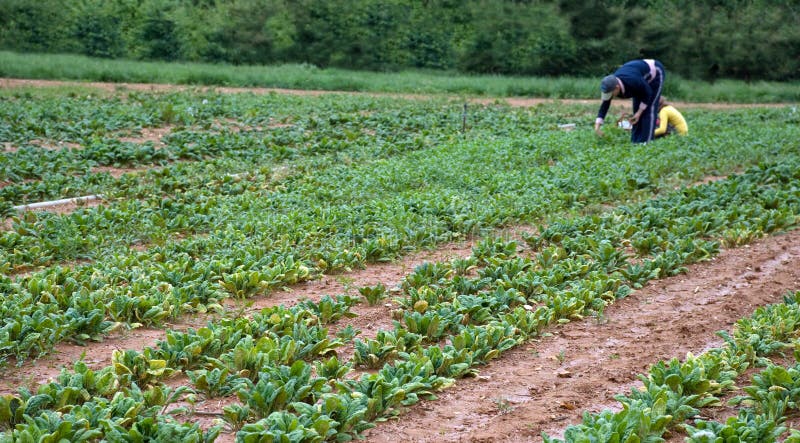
(145, 135)
(55, 145)
(48, 145)
(512, 101)
(119, 172)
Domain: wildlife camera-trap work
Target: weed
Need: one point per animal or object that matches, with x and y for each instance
(348, 333)
(346, 282)
(503, 405)
(373, 294)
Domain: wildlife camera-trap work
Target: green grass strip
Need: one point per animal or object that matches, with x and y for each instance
(76, 67)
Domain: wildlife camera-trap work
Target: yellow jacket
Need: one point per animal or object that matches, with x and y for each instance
(670, 116)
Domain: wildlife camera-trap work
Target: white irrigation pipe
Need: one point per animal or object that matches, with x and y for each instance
(63, 201)
(85, 198)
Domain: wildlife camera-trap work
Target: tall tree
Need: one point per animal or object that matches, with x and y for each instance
(33, 26)
(96, 29)
(508, 37)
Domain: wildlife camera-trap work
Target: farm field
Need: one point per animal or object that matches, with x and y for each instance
(266, 266)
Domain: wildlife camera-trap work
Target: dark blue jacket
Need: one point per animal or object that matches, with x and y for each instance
(635, 77)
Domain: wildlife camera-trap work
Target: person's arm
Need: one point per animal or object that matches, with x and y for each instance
(645, 94)
(601, 116)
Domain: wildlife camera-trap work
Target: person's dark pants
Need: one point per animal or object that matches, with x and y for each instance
(642, 131)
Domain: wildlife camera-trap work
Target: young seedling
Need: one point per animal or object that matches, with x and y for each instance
(503, 405)
(599, 315)
(239, 308)
(373, 294)
(348, 333)
(346, 282)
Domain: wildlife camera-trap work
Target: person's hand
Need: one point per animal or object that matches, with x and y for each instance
(635, 118)
(597, 129)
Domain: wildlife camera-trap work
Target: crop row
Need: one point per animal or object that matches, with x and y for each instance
(455, 316)
(675, 392)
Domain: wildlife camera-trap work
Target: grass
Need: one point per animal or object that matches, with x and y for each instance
(303, 76)
(65, 90)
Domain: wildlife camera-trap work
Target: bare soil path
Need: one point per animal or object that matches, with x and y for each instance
(512, 101)
(545, 386)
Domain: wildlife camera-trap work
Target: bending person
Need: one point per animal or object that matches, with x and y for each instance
(669, 120)
(641, 81)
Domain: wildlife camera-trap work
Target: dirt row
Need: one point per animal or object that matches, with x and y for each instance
(512, 101)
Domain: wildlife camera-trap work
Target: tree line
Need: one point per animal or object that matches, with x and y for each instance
(750, 40)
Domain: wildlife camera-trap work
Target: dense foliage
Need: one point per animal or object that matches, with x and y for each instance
(756, 39)
(456, 315)
(244, 194)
